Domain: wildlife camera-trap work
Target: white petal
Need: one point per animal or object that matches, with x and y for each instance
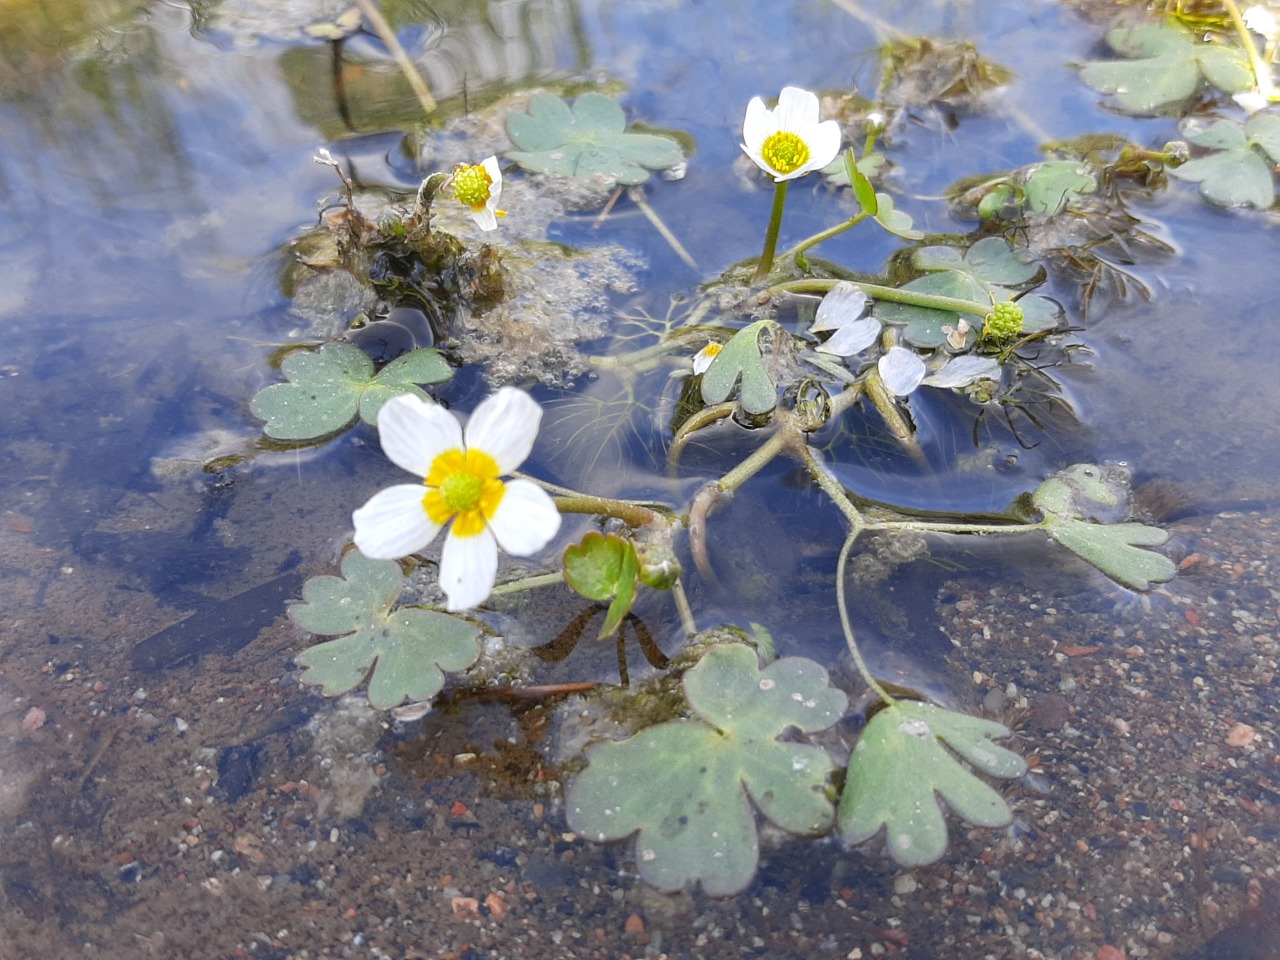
(394, 524)
(414, 432)
(504, 426)
(467, 568)
(485, 218)
(491, 167)
(962, 371)
(901, 370)
(824, 144)
(852, 338)
(756, 127)
(797, 111)
(843, 304)
(525, 520)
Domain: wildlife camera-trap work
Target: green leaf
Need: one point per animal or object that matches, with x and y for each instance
(589, 140)
(1165, 66)
(1115, 549)
(408, 649)
(899, 768)
(1236, 175)
(686, 787)
(601, 568)
(1086, 491)
(741, 358)
(326, 389)
(401, 376)
(1050, 186)
(893, 220)
(990, 268)
(863, 191)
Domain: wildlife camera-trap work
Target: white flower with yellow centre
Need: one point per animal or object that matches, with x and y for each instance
(477, 188)
(789, 141)
(461, 482)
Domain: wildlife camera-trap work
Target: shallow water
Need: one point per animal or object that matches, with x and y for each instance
(167, 788)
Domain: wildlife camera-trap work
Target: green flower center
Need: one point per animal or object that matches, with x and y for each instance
(785, 152)
(471, 186)
(461, 491)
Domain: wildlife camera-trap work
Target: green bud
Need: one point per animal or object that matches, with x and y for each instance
(1004, 322)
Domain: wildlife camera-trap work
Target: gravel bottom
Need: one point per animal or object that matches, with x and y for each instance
(217, 810)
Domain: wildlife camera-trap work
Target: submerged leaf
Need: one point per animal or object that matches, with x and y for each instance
(1115, 549)
(1165, 66)
(326, 388)
(741, 358)
(899, 769)
(686, 787)
(589, 140)
(408, 649)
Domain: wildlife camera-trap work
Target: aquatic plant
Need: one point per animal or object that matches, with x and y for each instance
(813, 360)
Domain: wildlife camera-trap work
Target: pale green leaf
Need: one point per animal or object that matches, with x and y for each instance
(407, 649)
(899, 770)
(685, 788)
(741, 359)
(1116, 549)
(589, 140)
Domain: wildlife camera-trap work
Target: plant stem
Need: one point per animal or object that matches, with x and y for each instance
(799, 249)
(847, 626)
(928, 526)
(629, 513)
(892, 294)
(637, 197)
(1261, 75)
(771, 236)
(527, 583)
(369, 9)
(782, 438)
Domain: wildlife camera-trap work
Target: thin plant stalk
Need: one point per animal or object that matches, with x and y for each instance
(771, 235)
(369, 9)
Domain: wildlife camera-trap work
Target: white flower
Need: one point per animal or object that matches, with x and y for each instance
(478, 188)
(788, 141)
(841, 310)
(702, 359)
(462, 484)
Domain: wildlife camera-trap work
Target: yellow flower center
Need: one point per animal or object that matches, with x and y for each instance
(471, 186)
(785, 152)
(463, 485)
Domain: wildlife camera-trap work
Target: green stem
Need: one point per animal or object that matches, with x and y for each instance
(847, 626)
(637, 197)
(629, 513)
(1261, 75)
(892, 294)
(527, 583)
(642, 359)
(781, 439)
(771, 236)
(799, 249)
(369, 9)
(978, 529)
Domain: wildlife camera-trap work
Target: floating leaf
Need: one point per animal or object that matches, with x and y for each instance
(1050, 186)
(1236, 175)
(328, 387)
(893, 220)
(899, 768)
(1165, 66)
(589, 140)
(1115, 549)
(686, 787)
(408, 649)
(990, 268)
(741, 358)
(604, 568)
(1086, 491)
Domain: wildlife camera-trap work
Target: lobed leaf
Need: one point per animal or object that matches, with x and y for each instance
(741, 359)
(899, 770)
(589, 140)
(685, 788)
(408, 650)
